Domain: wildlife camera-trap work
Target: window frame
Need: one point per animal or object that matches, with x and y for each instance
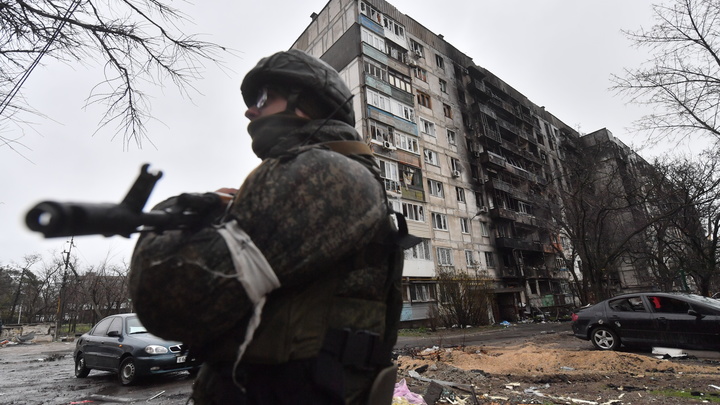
(439, 61)
(431, 157)
(490, 259)
(464, 225)
(451, 137)
(460, 195)
(427, 127)
(439, 221)
(435, 188)
(413, 212)
(447, 111)
(421, 251)
(444, 256)
(423, 99)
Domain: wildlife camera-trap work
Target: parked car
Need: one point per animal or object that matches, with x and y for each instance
(650, 319)
(121, 343)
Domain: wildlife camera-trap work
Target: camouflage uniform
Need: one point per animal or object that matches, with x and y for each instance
(321, 220)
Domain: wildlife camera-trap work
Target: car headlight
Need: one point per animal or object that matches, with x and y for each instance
(155, 349)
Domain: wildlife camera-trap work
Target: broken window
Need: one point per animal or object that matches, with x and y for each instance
(417, 49)
(424, 99)
(439, 62)
(435, 188)
(427, 127)
(421, 251)
(431, 157)
(421, 73)
(451, 137)
(413, 212)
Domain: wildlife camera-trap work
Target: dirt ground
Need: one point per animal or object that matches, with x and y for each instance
(549, 368)
(557, 369)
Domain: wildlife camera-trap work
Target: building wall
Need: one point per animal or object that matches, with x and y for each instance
(505, 154)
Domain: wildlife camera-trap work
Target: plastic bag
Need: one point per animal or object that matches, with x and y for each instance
(403, 395)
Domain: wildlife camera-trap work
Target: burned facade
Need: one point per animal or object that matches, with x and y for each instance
(468, 159)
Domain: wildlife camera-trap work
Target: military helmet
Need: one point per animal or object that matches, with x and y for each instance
(314, 80)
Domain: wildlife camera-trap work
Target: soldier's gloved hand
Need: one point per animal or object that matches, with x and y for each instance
(205, 207)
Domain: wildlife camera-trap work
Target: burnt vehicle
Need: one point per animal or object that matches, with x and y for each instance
(120, 343)
(678, 320)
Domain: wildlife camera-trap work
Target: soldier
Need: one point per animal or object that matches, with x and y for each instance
(291, 295)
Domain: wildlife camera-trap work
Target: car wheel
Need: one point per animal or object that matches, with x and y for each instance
(605, 339)
(128, 371)
(80, 370)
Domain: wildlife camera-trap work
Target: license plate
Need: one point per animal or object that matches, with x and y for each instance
(181, 359)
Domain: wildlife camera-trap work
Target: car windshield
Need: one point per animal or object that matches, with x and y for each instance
(133, 325)
(711, 302)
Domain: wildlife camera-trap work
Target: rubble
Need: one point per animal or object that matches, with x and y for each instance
(542, 373)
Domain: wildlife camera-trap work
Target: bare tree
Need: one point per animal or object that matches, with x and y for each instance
(697, 223)
(604, 208)
(465, 299)
(682, 79)
(137, 41)
(30, 261)
(104, 290)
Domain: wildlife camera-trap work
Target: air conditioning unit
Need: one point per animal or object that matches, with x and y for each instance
(456, 173)
(388, 145)
(484, 208)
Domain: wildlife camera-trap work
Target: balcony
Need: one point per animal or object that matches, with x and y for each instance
(493, 159)
(478, 108)
(508, 126)
(478, 89)
(490, 134)
(537, 272)
(528, 221)
(518, 244)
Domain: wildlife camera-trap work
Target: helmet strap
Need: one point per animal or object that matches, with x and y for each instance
(293, 99)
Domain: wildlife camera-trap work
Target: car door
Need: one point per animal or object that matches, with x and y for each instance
(110, 346)
(630, 317)
(676, 327)
(92, 346)
(709, 319)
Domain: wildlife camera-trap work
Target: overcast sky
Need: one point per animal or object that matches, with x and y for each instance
(559, 53)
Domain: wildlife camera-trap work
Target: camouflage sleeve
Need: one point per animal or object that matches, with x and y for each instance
(307, 213)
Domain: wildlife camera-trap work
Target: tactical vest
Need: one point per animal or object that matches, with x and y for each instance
(314, 320)
(297, 322)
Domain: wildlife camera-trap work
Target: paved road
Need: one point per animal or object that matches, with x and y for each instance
(515, 333)
(490, 336)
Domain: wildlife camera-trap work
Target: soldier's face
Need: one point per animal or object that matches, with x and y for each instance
(269, 102)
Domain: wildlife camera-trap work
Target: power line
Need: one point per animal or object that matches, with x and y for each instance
(16, 89)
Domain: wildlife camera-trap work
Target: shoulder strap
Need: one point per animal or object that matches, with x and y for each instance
(348, 147)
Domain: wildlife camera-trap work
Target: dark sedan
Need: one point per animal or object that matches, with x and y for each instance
(121, 343)
(678, 320)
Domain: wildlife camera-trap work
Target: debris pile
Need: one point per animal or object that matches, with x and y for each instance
(531, 373)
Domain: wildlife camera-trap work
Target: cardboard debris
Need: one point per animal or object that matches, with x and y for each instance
(667, 352)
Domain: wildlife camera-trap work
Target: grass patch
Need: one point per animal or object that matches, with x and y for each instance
(700, 396)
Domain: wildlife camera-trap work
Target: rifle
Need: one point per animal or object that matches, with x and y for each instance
(55, 219)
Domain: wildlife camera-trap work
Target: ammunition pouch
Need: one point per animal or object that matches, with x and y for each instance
(362, 350)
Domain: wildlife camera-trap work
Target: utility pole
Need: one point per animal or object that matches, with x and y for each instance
(61, 301)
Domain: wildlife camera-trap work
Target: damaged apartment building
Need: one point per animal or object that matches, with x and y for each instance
(463, 156)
